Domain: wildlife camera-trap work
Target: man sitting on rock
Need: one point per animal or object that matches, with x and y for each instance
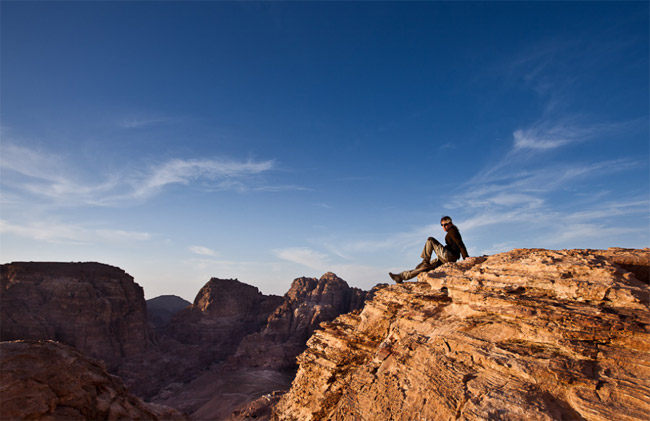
(444, 254)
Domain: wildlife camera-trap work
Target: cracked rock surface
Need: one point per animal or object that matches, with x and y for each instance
(527, 334)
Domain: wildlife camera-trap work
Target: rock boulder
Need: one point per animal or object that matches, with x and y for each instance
(53, 381)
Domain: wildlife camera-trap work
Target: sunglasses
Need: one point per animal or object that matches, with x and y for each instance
(445, 224)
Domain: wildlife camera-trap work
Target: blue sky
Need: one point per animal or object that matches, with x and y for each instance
(267, 141)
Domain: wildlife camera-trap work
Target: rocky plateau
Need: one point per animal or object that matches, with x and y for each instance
(96, 308)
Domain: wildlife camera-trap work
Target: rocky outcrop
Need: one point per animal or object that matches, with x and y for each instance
(224, 311)
(49, 380)
(528, 334)
(160, 310)
(96, 308)
(265, 359)
(637, 263)
(307, 304)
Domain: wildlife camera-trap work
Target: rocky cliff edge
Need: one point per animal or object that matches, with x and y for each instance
(527, 334)
(96, 308)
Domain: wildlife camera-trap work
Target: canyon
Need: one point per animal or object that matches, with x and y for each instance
(529, 333)
(164, 356)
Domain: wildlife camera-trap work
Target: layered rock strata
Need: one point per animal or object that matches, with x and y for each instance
(50, 380)
(265, 360)
(528, 334)
(307, 304)
(96, 308)
(223, 312)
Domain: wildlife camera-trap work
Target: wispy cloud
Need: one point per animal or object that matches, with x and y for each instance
(610, 211)
(48, 176)
(220, 174)
(142, 121)
(551, 134)
(398, 241)
(586, 232)
(522, 194)
(279, 188)
(203, 251)
(55, 232)
(547, 203)
(352, 269)
(304, 256)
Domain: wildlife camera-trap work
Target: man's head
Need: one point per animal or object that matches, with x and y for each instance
(446, 223)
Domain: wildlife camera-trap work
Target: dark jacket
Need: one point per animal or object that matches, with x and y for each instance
(455, 243)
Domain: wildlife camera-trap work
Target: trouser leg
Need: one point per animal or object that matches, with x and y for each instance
(431, 247)
(434, 246)
(410, 274)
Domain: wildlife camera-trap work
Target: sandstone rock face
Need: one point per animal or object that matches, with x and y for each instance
(528, 334)
(96, 308)
(637, 263)
(224, 311)
(52, 381)
(160, 310)
(264, 361)
(307, 304)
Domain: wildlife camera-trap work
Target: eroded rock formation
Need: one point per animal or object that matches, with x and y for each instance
(265, 360)
(528, 334)
(101, 311)
(223, 312)
(197, 338)
(96, 308)
(307, 304)
(50, 380)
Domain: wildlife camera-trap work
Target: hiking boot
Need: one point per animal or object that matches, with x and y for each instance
(396, 278)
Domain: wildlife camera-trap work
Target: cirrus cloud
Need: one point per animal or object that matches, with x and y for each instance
(203, 251)
(37, 174)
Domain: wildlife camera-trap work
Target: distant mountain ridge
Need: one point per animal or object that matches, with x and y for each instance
(165, 342)
(160, 310)
(530, 333)
(258, 336)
